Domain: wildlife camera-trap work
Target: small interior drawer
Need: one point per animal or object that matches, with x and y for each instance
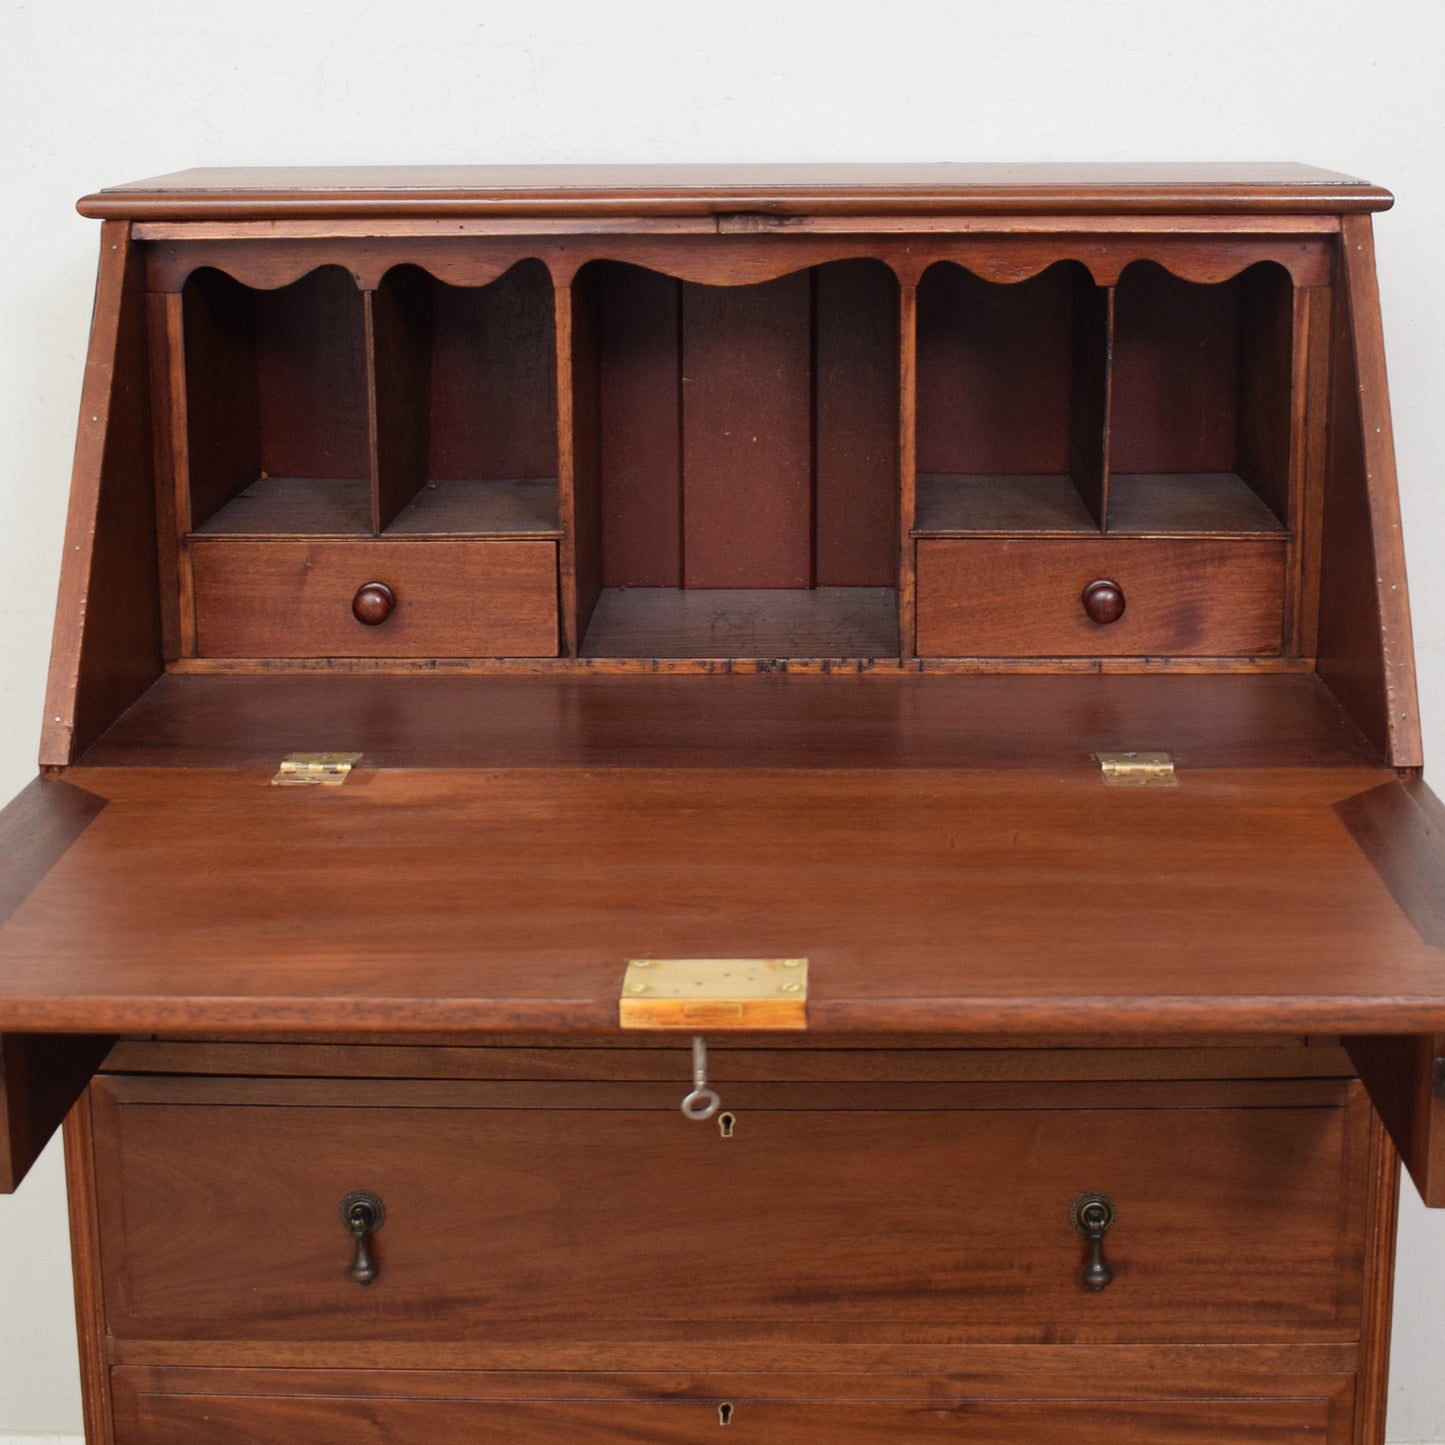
(1199, 597)
(295, 598)
(591, 1217)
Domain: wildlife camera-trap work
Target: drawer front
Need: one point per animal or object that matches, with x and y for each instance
(1024, 598)
(147, 1418)
(452, 599)
(586, 1221)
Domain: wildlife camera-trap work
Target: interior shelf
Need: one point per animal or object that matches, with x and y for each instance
(818, 622)
(1200, 412)
(1144, 504)
(1188, 504)
(421, 409)
(296, 507)
(737, 463)
(514, 507)
(276, 401)
(961, 505)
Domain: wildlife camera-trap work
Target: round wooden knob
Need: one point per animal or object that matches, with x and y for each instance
(373, 604)
(1104, 601)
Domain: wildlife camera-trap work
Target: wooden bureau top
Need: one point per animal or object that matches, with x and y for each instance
(288, 192)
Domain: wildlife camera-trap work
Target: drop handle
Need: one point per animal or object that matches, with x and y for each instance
(1093, 1216)
(362, 1214)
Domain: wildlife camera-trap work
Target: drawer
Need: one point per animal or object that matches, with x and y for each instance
(452, 598)
(590, 1217)
(1024, 598)
(220, 1407)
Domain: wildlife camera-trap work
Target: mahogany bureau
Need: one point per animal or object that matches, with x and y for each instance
(934, 635)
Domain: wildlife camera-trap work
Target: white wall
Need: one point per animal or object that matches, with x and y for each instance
(93, 93)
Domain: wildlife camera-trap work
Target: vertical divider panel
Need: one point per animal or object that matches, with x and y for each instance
(907, 467)
(565, 300)
(169, 428)
(1308, 432)
(1090, 411)
(855, 410)
(1269, 390)
(398, 366)
(579, 461)
(220, 431)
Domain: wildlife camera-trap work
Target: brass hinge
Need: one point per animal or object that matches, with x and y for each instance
(713, 993)
(310, 770)
(1137, 770)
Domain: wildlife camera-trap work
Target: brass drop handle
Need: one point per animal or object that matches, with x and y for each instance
(1103, 601)
(1093, 1216)
(362, 1214)
(373, 604)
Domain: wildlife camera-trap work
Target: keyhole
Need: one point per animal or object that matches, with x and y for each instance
(724, 1414)
(725, 1123)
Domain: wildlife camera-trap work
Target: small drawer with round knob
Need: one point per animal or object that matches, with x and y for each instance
(1101, 597)
(367, 598)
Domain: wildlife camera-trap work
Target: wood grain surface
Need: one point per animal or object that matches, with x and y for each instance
(170, 1407)
(293, 598)
(1022, 598)
(584, 1222)
(107, 646)
(525, 892)
(659, 622)
(788, 720)
(379, 191)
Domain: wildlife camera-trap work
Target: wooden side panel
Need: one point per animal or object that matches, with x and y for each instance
(107, 646)
(747, 434)
(1366, 648)
(1400, 827)
(855, 385)
(36, 828)
(1382, 1188)
(41, 1077)
(95, 1373)
(1406, 1080)
(640, 426)
(494, 373)
(221, 436)
(398, 364)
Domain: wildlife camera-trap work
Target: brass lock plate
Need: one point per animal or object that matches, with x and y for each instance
(714, 993)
